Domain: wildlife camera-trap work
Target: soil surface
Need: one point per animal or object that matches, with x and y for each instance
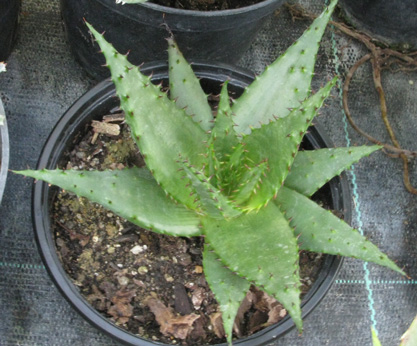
(150, 284)
(206, 5)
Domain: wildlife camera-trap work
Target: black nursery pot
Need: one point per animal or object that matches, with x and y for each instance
(9, 13)
(391, 22)
(210, 35)
(4, 151)
(99, 101)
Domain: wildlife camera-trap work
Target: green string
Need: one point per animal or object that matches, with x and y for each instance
(21, 266)
(352, 174)
(377, 282)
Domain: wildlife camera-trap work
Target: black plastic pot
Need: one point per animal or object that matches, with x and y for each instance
(4, 151)
(210, 35)
(9, 13)
(391, 22)
(100, 100)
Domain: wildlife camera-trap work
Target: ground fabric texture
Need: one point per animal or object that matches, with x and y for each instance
(43, 80)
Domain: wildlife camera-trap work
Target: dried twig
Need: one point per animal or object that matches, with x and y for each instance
(380, 58)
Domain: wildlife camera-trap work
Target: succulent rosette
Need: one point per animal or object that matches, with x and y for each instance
(236, 177)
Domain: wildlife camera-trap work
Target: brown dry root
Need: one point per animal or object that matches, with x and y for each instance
(381, 58)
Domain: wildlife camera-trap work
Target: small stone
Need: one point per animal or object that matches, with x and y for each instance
(184, 259)
(139, 283)
(111, 231)
(189, 285)
(142, 270)
(198, 297)
(198, 269)
(111, 250)
(60, 242)
(80, 154)
(138, 249)
(126, 238)
(123, 280)
(195, 251)
(168, 278)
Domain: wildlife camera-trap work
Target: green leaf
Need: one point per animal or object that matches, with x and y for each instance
(284, 83)
(277, 144)
(408, 339)
(223, 143)
(260, 247)
(231, 170)
(375, 340)
(228, 288)
(151, 117)
(185, 88)
(307, 174)
(223, 134)
(130, 193)
(214, 165)
(410, 336)
(250, 183)
(321, 231)
(211, 200)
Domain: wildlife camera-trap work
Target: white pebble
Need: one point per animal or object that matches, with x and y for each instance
(138, 249)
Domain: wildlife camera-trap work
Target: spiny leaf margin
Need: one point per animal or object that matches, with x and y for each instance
(276, 270)
(307, 174)
(151, 115)
(319, 230)
(295, 70)
(228, 288)
(131, 193)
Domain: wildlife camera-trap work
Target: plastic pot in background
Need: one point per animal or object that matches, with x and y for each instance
(391, 22)
(9, 15)
(100, 100)
(4, 149)
(210, 35)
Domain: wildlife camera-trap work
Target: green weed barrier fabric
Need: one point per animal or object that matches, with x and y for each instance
(43, 80)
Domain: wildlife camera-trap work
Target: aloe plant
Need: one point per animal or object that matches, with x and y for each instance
(236, 178)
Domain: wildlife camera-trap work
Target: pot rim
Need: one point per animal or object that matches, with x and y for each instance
(260, 6)
(4, 151)
(45, 239)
